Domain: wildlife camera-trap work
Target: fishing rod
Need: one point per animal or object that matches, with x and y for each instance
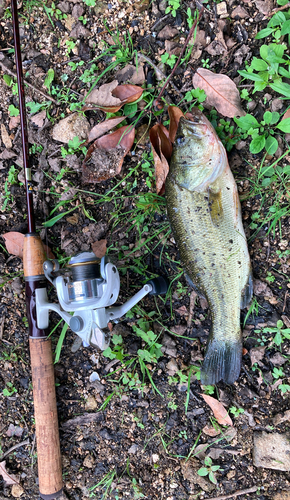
(85, 304)
(45, 411)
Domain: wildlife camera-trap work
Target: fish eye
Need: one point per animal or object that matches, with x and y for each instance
(180, 139)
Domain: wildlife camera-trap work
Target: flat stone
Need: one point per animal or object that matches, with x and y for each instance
(74, 125)
(91, 404)
(239, 12)
(167, 32)
(271, 451)
(221, 9)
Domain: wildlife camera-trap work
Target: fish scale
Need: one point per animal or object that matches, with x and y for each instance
(207, 226)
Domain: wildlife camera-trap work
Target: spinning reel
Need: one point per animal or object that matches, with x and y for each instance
(90, 295)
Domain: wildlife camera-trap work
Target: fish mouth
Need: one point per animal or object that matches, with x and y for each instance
(194, 124)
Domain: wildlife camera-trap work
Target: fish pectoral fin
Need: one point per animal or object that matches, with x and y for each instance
(215, 206)
(222, 361)
(194, 286)
(247, 292)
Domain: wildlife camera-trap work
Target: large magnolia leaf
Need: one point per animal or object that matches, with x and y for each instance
(104, 127)
(110, 97)
(14, 242)
(219, 410)
(174, 114)
(104, 158)
(221, 92)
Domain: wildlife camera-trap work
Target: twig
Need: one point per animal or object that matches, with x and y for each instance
(193, 296)
(191, 31)
(236, 493)
(157, 70)
(279, 9)
(23, 443)
(11, 73)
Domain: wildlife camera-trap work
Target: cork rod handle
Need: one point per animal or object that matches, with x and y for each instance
(46, 423)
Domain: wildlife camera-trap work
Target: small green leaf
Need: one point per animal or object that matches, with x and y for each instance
(275, 117)
(208, 461)
(212, 478)
(257, 144)
(285, 30)
(267, 117)
(13, 111)
(251, 76)
(271, 145)
(49, 78)
(117, 339)
(263, 33)
(284, 125)
(281, 88)
(51, 222)
(203, 471)
(259, 64)
(130, 109)
(215, 468)
(8, 80)
(246, 122)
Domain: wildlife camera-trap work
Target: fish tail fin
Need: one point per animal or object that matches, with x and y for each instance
(222, 362)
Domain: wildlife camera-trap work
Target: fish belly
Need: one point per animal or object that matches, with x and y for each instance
(207, 227)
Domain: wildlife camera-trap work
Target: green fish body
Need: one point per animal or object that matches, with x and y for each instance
(205, 215)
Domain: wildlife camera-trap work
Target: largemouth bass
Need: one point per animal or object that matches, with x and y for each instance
(205, 215)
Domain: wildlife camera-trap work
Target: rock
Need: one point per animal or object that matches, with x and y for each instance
(104, 433)
(133, 449)
(155, 458)
(278, 419)
(163, 6)
(239, 12)
(14, 431)
(69, 22)
(80, 31)
(94, 376)
(77, 11)
(17, 491)
(264, 7)
(91, 404)
(17, 285)
(172, 367)
(76, 344)
(100, 7)
(74, 125)
(252, 105)
(89, 462)
(167, 32)
(271, 451)
(262, 289)
(221, 9)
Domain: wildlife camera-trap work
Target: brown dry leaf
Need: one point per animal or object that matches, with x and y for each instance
(103, 98)
(8, 478)
(221, 92)
(286, 115)
(174, 114)
(99, 248)
(14, 243)
(104, 158)
(39, 119)
(104, 127)
(211, 431)
(257, 354)
(182, 311)
(5, 137)
(13, 122)
(162, 150)
(127, 93)
(219, 410)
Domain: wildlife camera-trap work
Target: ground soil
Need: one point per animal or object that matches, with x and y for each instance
(142, 443)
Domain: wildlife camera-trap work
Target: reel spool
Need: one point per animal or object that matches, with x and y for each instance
(89, 295)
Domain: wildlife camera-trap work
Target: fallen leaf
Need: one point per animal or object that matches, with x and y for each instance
(103, 98)
(39, 119)
(127, 93)
(286, 115)
(211, 431)
(6, 154)
(104, 158)
(8, 478)
(14, 242)
(104, 127)
(13, 122)
(278, 359)
(257, 354)
(219, 410)
(221, 92)
(265, 7)
(110, 97)
(99, 248)
(162, 150)
(174, 114)
(182, 311)
(73, 219)
(5, 137)
(178, 329)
